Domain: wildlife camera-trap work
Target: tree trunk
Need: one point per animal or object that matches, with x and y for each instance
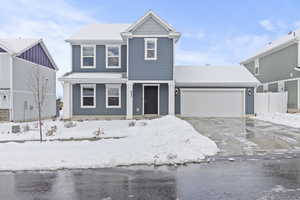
(40, 123)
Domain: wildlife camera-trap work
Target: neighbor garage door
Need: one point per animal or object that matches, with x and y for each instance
(212, 102)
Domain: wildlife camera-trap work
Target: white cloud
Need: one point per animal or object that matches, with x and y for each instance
(267, 25)
(230, 50)
(194, 35)
(52, 20)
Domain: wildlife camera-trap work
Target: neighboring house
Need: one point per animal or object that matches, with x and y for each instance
(277, 66)
(128, 70)
(20, 59)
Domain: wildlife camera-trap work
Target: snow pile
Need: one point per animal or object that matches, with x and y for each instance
(287, 119)
(167, 140)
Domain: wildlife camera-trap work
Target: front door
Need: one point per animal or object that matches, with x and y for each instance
(150, 100)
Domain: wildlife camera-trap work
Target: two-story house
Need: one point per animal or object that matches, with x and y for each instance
(128, 70)
(22, 61)
(277, 67)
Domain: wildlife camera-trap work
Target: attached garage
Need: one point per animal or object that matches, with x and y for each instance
(214, 91)
(215, 102)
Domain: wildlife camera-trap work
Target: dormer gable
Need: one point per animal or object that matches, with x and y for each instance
(151, 25)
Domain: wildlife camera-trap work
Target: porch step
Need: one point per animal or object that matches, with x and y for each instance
(4, 115)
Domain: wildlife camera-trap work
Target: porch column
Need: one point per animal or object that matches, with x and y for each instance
(171, 98)
(67, 100)
(129, 100)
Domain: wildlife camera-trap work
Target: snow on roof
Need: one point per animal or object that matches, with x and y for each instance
(17, 45)
(285, 40)
(93, 77)
(100, 32)
(211, 76)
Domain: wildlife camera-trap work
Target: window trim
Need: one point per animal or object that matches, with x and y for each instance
(146, 49)
(81, 95)
(118, 86)
(106, 56)
(256, 66)
(81, 59)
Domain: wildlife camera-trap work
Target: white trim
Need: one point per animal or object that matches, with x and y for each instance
(151, 36)
(243, 90)
(127, 53)
(129, 100)
(298, 94)
(289, 79)
(150, 81)
(108, 86)
(11, 89)
(106, 56)
(158, 97)
(256, 66)
(146, 48)
(81, 56)
(135, 25)
(81, 95)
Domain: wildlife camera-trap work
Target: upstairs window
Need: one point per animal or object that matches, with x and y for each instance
(150, 48)
(88, 53)
(88, 96)
(256, 66)
(113, 55)
(113, 96)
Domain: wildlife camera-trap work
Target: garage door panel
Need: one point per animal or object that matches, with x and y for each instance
(212, 103)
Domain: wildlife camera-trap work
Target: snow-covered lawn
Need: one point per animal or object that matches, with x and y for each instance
(287, 119)
(166, 140)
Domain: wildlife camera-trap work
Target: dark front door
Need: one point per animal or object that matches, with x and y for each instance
(150, 99)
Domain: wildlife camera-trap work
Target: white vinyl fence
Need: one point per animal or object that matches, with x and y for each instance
(270, 102)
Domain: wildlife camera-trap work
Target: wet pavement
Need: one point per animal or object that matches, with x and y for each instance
(246, 136)
(258, 160)
(247, 180)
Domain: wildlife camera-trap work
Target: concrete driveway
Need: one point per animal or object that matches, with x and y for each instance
(246, 136)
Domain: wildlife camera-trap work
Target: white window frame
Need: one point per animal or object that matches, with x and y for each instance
(106, 53)
(256, 66)
(94, 57)
(146, 49)
(81, 95)
(118, 86)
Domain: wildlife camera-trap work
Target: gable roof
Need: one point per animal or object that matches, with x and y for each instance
(149, 14)
(99, 32)
(214, 76)
(116, 32)
(16, 46)
(275, 45)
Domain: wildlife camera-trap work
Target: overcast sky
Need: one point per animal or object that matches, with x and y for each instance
(213, 32)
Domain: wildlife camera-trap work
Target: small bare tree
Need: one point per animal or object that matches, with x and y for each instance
(39, 87)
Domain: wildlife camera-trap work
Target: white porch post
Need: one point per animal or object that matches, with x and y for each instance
(171, 98)
(67, 100)
(129, 100)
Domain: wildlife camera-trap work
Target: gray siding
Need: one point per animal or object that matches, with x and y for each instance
(100, 102)
(100, 60)
(278, 65)
(273, 87)
(250, 67)
(177, 102)
(150, 27)
(37, 55)
(249, 102)
(260, 89)
(292, 88)
(138, 99)
(23, 72)
(141, 69)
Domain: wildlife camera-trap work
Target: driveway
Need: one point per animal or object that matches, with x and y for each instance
(246, 136)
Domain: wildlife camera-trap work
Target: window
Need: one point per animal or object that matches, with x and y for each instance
(113, 96)
(88, 96)
(88, 56)
(150, 48)
(256, 66)
(113, 54)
